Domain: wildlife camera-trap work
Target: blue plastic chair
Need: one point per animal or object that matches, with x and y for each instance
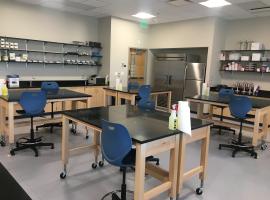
(223, 93)
(145, 102)
(133, 86)
(33, 104)
(50, 87)
(116, 147)
(239, 108)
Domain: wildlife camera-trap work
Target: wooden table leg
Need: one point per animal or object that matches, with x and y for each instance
(181, 162)
(173, 168)
(133, 100)
(200, 110)
(65, 143)
(88, 102)
(139, 171)
(96, 142)
(204, 155)
(118, 100)
(11, 133)
(256, 128)
(105, 98)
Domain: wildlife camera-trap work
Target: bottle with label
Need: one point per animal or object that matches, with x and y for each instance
(4, 90)
(173, 120)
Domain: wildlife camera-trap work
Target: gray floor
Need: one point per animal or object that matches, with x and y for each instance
(241, 178)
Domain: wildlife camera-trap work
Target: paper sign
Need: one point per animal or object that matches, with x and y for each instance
(184, 120)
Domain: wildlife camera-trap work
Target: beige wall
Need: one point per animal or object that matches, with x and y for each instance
(124, 35)
(26, 21)
(104, 30)
(256, 29)
(187, 34)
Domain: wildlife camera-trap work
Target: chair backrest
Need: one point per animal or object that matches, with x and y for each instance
(240, 106)
(116, 142)
(49, 86)
(133, 85)
(145, 91)
(145, 101)
(223, 92)
(33, 103)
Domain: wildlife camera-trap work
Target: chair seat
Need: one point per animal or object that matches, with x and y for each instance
(130, 158)
(218, 106)
(248, 116)
(22, 112)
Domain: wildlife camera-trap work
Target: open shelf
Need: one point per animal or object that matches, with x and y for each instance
(59, 51)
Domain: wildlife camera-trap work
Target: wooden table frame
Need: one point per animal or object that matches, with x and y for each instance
(131, 97)
(259, 133)
(202, 134)
(168, 179)
(7, 127)
(171, 180)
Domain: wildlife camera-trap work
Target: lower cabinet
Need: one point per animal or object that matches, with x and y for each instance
(97, 93)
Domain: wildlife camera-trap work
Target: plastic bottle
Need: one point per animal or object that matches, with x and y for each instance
(173, 120)
(4, 90)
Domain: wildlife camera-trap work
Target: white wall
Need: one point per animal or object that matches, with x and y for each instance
(124, 35)
(256, 29)
(26, 21)
(104, 30)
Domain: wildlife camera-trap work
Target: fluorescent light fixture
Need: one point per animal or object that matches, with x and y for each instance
(215, 3)
(143, 15)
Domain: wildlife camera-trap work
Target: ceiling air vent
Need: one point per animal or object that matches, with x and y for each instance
(255, 7)
(179, 3)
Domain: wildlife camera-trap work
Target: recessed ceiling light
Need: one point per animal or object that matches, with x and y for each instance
(143, 15)
(215, 3)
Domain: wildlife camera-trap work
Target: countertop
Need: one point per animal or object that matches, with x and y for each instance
(65, 83)
(261, 93)
(143, 126)
(14, 95)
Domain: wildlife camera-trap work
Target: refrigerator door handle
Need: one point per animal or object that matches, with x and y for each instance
(170, 79)
(167, 79)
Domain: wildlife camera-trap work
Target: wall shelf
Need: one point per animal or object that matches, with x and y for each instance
(250, 66)
(56, 53)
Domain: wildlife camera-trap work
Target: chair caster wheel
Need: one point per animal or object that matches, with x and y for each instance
(263, 147)
(157, 163)
(17, 144)
(74, 131)
(52, 147)
(94, 165)
(100, 163)
(3, 144)
(12, 153)
(199, 191)
(87, 137)
(63, 175)
(219, 147)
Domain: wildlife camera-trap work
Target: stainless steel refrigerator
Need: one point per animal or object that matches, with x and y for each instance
(180, 73)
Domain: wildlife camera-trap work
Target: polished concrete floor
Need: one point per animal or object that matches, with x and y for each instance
(240, 178)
